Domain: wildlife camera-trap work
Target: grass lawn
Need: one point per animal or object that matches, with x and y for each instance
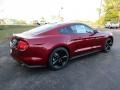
(7, 31)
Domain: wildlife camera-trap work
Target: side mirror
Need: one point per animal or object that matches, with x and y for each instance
(95, 31)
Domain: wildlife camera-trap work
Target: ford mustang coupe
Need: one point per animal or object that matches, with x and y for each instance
(53, 45)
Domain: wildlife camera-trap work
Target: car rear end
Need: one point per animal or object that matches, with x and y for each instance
(25, 52)
(28, 48)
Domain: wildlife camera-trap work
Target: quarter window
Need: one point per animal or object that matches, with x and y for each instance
(66, 30)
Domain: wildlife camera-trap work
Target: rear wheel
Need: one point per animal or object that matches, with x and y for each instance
(108, 45)
(58, 59)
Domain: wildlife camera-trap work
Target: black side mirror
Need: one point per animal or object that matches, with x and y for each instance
(95, 31)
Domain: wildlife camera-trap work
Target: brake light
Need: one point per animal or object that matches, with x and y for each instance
(22, 45)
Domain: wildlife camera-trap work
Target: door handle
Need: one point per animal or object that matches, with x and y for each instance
(97, 38)
(94, 37)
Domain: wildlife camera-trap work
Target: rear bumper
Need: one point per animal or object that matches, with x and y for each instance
(30, 57)
(29, 61)
(32, 66)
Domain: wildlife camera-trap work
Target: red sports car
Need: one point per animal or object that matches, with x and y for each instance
(54, 45)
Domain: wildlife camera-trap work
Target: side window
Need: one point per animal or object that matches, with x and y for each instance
(78, 29)
(89, 30)
(66, 30)
(74, 28)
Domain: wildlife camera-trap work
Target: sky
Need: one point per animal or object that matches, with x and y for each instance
(34, 9)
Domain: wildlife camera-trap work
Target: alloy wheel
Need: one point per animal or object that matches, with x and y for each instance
(59, 58)
(108, 45)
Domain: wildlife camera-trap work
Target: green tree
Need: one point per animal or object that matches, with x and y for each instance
(111, 10)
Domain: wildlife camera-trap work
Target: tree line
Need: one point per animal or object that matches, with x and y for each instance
(110, 11)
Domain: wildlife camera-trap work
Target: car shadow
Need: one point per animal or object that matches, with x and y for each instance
(46, 69)
(82, 58)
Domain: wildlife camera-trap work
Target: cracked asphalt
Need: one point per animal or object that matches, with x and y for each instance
(99, 71)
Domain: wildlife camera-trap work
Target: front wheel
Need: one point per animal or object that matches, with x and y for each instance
(58, 59)
(108, 45)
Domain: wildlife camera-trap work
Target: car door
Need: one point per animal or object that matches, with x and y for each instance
(95, 38)
(81, 37)
(74, 38)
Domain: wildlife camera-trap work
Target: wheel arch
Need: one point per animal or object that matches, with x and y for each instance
(111, 37)
(63, 46)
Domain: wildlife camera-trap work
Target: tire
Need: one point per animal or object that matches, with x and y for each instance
(58, 58)
(108, 45)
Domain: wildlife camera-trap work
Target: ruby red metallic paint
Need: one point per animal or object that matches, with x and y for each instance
(42, 44)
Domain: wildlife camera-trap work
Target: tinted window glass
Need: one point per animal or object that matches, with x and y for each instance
(74, 28)
(66, 30)
(89, 30)
(78, 28)
(39, 30)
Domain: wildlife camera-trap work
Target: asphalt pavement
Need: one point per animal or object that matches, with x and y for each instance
(99, 71)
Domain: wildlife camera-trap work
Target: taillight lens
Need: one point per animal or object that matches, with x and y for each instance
(22, 45)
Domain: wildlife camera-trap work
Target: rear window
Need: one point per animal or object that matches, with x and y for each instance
(39, 30)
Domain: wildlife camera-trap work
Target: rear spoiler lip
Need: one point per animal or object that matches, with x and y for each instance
(25, 36)
(17, 36)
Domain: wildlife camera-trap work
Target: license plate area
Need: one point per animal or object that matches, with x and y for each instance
(13, 43)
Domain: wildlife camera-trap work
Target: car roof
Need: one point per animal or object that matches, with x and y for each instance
(64, 23)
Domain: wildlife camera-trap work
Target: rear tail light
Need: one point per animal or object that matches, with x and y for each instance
(22, 45)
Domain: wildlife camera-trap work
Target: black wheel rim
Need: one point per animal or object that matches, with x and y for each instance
(59, 59)
(108, 45)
